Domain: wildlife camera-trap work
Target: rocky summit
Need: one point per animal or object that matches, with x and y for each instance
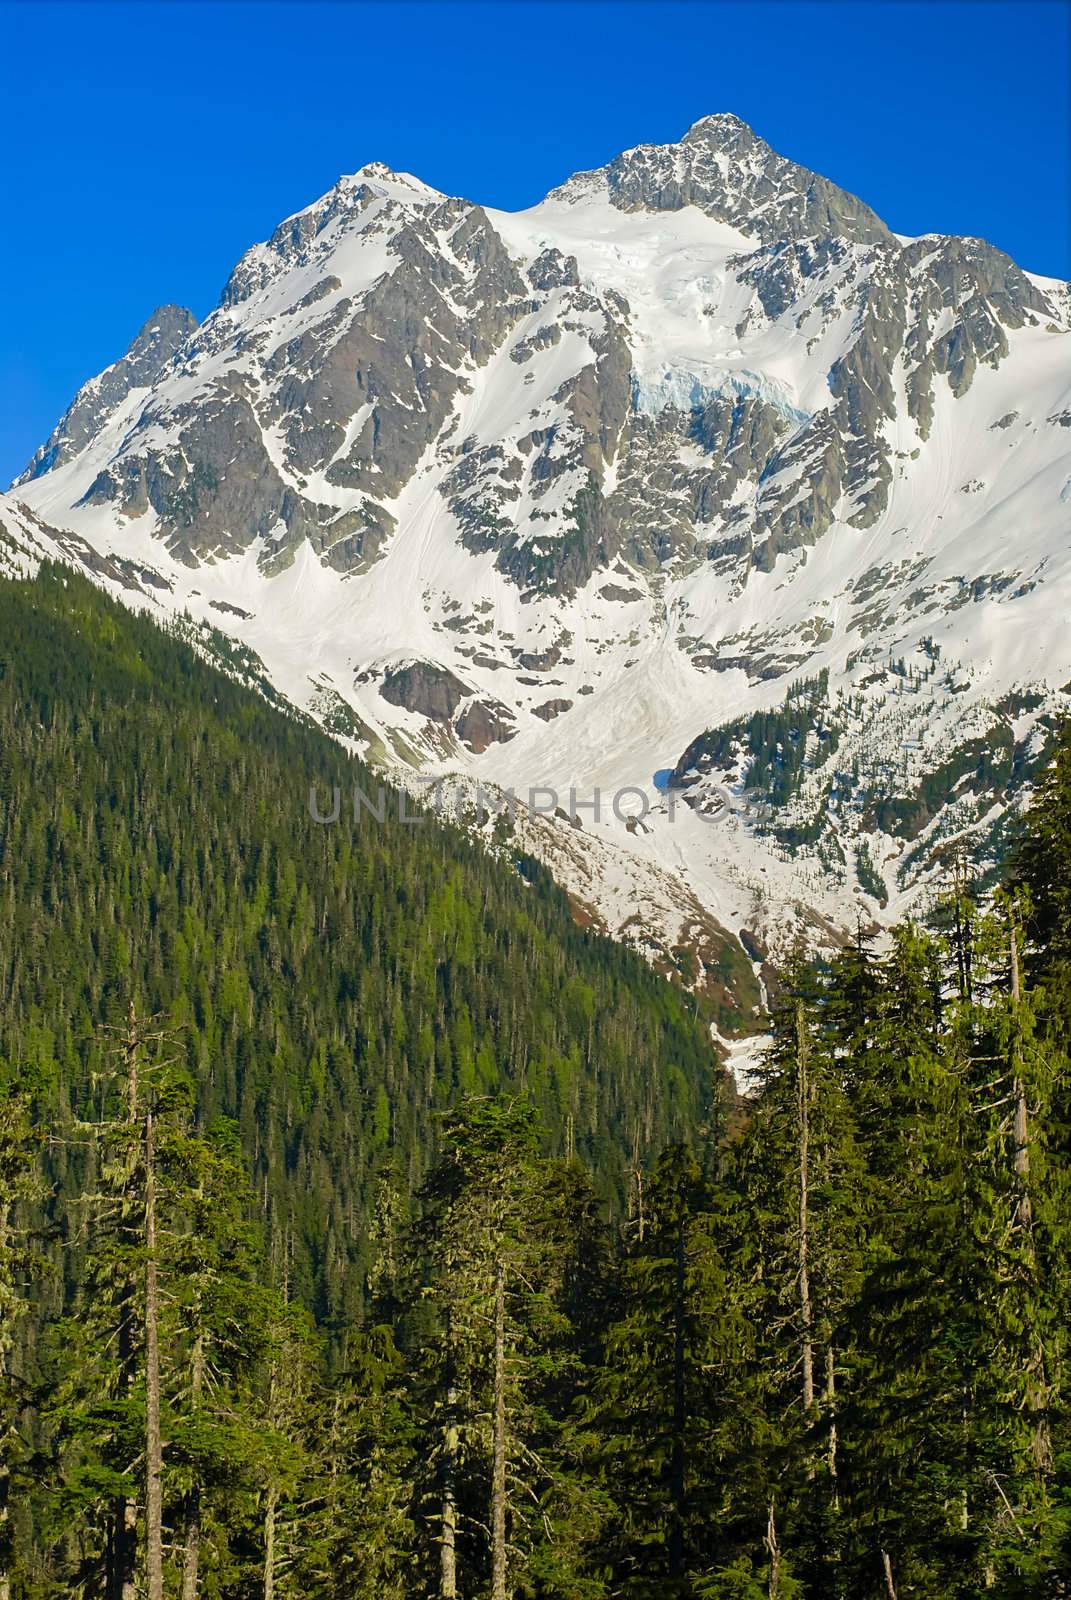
(693, 479)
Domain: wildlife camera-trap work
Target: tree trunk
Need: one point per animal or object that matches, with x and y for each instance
(1037, 1390)
(448, 1537)
(676, 1464)
(269, 1543)
(131, 1052)
(5, 1581)
(775, 1553)
(127, 1550)
(831, 1406)
(121, 1556)
(192, 1547)
(962, 932)
(5, 1476)
(498, 1472)
(154, 1548)
(641, 1219)
(1022, 1115)
(806, 1308)
(886, 1567)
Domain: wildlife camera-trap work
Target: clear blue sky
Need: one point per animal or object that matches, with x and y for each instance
(147, 145)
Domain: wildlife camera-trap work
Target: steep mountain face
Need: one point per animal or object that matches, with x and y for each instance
(693, 478)
(97, 401)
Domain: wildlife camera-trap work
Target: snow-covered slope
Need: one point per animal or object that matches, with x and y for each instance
(692, 480)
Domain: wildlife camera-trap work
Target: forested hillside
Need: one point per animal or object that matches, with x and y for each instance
(371, 1233)
(331, 987)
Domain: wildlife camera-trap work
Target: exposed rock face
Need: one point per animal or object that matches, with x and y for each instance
(551, 709)
(321, 427)
(97, 401)
(602, 491)
(346, 363)
(434, 692)
(430, 690)
(484, 723)
(725, 170)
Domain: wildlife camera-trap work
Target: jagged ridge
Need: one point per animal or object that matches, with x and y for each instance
(621, 467)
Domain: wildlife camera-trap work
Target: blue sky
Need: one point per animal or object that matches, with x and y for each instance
(147, 145)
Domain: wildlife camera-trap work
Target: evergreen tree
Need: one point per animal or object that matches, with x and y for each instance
(357, 1529)
(494, 1250)
(1042, 862)
(666, 1405)
(20, 1263)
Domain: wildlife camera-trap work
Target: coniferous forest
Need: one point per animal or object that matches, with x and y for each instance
(370, 1230)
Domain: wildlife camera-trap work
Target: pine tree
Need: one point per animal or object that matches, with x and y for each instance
(357, 1529)
(917, 1331)
(495, 1250)
(670, 1418)
(1042, 862)
(288, 1400)
(20, 1262)
(800, 1174)
(219, 1447)
(152, 1406)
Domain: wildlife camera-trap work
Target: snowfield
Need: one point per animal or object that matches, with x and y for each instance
(963, 576)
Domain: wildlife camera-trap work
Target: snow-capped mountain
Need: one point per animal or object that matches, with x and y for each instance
(693, 479)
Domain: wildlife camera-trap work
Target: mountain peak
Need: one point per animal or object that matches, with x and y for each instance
(698, 439)
(168, 323)
(719, 125)
(149, 352)
(723, 168)
(397, 185)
